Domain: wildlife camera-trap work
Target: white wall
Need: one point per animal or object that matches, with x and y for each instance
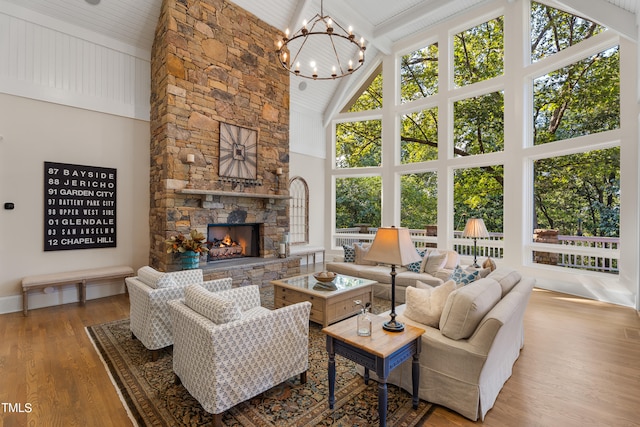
(68, 96)
(34, 132)
(307, 160)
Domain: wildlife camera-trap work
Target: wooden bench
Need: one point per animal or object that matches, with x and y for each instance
(308, 251)
(77, 277)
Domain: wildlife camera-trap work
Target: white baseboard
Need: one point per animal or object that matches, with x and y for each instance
(59, 296)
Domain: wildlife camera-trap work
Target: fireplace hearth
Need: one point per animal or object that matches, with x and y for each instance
(230, 241)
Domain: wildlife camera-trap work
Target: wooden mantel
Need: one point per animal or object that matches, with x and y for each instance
(198, 192)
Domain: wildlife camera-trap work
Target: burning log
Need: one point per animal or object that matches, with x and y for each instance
(224, 249)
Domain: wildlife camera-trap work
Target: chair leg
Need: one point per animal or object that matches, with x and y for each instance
(217, 420)
(133, 336)
(176, 380)
(303, 377)
(154, 355)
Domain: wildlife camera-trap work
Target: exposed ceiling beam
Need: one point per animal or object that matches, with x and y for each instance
(604, 13)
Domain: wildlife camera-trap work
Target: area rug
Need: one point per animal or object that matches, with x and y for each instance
(149, 391)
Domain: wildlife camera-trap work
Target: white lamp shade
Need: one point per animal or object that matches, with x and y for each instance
(475, 228)
(393, 245)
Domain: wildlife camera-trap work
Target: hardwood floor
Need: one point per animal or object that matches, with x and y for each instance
(580, 367)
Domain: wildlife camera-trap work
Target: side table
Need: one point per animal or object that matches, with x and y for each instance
(380, 352)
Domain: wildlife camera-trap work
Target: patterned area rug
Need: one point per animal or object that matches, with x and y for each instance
(153, 399)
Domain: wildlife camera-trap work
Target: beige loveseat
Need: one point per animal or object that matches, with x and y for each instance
(359, 267)
(467, 359)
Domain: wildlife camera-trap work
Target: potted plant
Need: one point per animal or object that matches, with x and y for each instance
(189, 247)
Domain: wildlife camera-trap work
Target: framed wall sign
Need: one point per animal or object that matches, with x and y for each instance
(79, 207)
(238, 152)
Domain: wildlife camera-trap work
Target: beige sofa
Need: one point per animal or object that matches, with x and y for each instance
(405, 277)
(466, 360)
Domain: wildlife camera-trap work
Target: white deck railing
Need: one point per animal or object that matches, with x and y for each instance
(581, 252)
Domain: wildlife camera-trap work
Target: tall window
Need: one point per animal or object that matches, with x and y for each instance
(298, 211)
(576, 196)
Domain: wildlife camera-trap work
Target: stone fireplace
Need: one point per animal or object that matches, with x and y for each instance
(213, 67)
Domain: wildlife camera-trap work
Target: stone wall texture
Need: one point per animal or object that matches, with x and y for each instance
(213, 62)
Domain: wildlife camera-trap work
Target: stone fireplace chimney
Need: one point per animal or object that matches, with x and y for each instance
(214, 63)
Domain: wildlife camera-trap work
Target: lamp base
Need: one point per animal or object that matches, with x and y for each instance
(393, 326)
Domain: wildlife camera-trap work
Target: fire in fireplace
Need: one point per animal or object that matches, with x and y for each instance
(230, 241)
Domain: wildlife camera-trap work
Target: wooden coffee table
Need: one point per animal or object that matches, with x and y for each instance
(330, 302)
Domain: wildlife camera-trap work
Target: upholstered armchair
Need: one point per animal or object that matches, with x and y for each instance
(228, 349)
(149, 292)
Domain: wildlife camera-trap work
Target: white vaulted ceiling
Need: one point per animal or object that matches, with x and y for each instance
(381, 22)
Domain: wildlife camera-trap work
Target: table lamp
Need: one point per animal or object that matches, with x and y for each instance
(393, 245)
(475, 228)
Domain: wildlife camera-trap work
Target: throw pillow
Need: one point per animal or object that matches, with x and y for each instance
(349, 253)
(415, 266)
(361, 253)
(214, 307)
(435, 261)
(462, 277)
(425, 303)
(154, 278)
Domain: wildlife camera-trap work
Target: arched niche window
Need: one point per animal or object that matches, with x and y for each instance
(298, 211)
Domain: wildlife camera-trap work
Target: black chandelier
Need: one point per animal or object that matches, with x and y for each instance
(322, 37)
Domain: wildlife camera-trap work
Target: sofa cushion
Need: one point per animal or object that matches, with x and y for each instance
(361, 253)
(349, 253)
(154, 278)
(409, 278)
(463, 277)
(425, 303)
(506, 277)
(435, 260)
(482, 272)
(466, 306)
(214, 307)
(379, 273)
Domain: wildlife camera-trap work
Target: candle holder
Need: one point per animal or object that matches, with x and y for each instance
(191, 159)
(278, 174)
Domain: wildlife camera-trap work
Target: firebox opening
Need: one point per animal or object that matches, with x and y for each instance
(228, 241)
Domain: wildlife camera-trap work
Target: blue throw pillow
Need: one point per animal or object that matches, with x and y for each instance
(463, 277)
(415, 266)
(349, 253)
